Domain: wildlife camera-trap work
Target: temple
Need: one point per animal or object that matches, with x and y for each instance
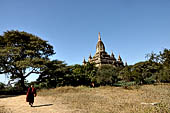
(101, 57)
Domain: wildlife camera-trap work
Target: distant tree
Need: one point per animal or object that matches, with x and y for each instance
(165, 72)
(153, 57)
(107, 75)
(163, 59)
(164, 75)
(90, 70)
(79, 75)
(53, 73)
(126, 74)
(143, 70)
(22, 54)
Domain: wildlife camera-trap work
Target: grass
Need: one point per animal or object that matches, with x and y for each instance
(112, 99)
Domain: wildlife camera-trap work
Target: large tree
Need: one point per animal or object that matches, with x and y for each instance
(22, 54)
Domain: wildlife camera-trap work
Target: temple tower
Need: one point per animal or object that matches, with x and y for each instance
(101, 57)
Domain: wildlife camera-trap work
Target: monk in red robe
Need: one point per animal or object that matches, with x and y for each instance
(31, 93)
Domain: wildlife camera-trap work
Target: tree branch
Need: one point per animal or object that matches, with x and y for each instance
(33, 71)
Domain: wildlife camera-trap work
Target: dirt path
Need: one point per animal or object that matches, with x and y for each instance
(41, 105)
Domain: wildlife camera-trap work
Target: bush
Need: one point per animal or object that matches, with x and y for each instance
(12, 91)
(150, 80)
(2, 85)
(124, 83)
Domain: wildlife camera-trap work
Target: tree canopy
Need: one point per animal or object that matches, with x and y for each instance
(53, 73)
(22, 54)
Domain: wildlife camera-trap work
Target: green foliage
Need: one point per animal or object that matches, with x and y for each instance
(165, 56)
(63, 75)
(83, 74)
(43, 85)
(125, 74)
(163, 59)
(124, 83)
(149, 80)
(22, 54)
(2, 85)
(53, 73)
(144, 70)
(164, 75)
(156, 69)
(12, 91)
(106, 75)
(90, 70)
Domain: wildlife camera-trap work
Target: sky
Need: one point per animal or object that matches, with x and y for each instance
(131, 28)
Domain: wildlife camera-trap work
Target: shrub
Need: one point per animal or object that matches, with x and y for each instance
(149, 80)
(2, 85)
(12, 91)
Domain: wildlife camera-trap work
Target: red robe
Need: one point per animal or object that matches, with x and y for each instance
(31, 93)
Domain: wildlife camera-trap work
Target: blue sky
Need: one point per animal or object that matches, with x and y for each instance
(131, 28)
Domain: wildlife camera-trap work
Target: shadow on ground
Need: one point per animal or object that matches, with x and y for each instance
(43, 105)
(7, 96)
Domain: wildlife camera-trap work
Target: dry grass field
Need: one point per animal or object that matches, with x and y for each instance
(106, 99)
(134, 99)
(4, 110)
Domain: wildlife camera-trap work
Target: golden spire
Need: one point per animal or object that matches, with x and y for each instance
(90, 56)
(112, 55)
(84, 61)
(119, 58)
(99, 37)
(89, 60)
(126, 63)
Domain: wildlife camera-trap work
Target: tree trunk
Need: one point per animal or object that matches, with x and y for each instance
(22, 83)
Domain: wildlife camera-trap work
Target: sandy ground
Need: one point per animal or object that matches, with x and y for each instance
(18, 104)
